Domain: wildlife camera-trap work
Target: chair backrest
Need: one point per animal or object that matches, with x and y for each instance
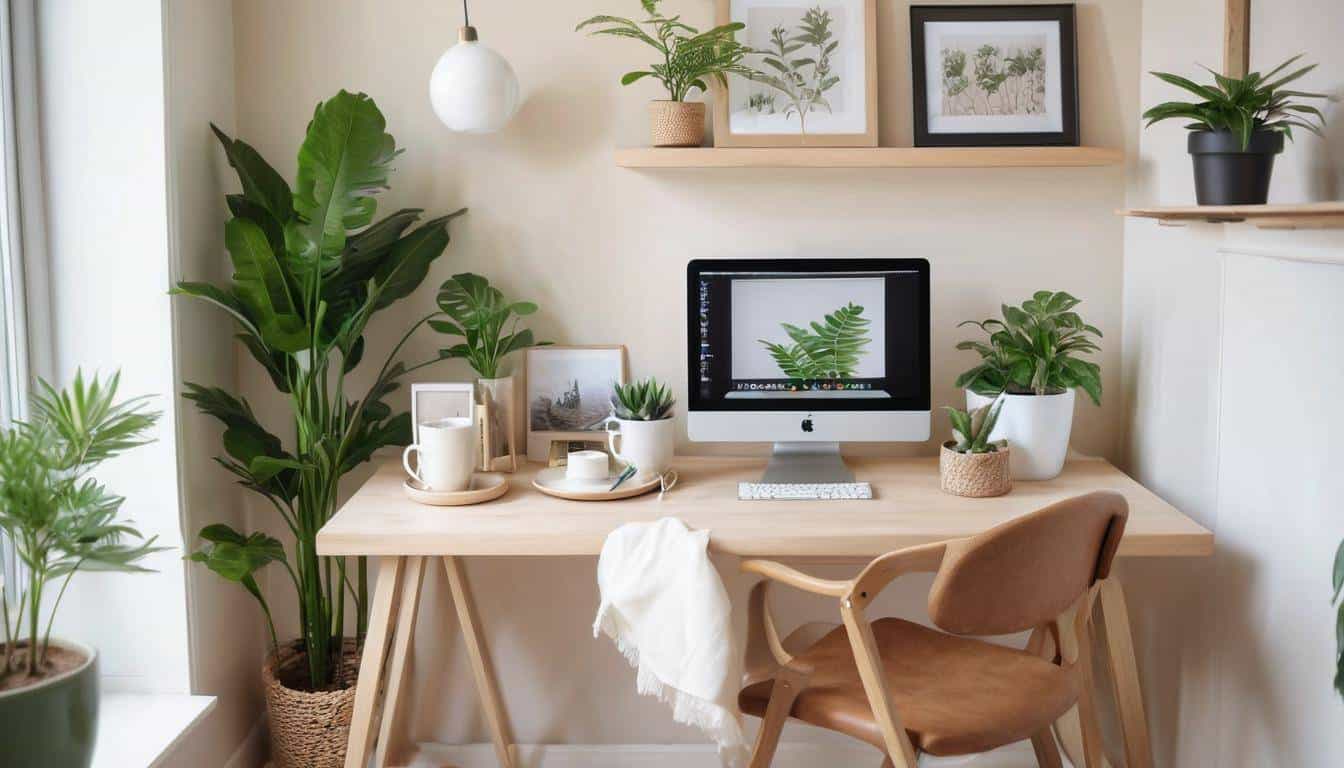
(1027, 571)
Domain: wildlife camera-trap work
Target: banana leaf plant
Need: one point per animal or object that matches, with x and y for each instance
(311, 267)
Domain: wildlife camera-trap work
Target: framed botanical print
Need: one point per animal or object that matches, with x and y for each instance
(994, 75)
(816, 75)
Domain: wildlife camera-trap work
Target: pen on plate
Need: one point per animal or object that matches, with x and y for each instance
(625, 475)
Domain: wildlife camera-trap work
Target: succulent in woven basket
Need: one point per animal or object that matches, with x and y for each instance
(972, 429)
(642, 401)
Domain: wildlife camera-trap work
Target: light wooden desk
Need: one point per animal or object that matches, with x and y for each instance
(909, 509)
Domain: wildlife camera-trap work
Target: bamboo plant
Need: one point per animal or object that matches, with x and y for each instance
(311, 268)
(60, 519)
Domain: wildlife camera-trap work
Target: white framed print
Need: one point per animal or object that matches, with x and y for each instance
(569, 393)
(816, 81)
(445, 400)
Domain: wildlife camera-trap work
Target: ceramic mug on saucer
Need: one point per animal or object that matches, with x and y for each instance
(448, 451)
(646, 444)
(586, 465)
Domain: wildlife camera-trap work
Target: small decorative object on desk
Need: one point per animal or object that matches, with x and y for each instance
(1237, 126)
(1031, 361)
(560, 450)
(971, 465)
(642, 422)
(567, 394)
(488, 325)
(688, 59)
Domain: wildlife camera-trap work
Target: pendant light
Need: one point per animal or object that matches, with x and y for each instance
(473, 89)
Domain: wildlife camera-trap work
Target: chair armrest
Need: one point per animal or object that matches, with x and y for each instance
(796, 579)
(926, 558)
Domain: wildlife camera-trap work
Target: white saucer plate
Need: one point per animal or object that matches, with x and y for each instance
(553, 482)
(485, 486)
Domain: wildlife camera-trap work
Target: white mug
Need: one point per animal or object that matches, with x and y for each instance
(448, 451)
(646, 444)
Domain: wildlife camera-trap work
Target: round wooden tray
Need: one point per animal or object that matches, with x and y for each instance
(485, 486)
(552, 482)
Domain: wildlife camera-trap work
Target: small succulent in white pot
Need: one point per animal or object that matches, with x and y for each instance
(972, 464)
(642, 401)
(641, 419)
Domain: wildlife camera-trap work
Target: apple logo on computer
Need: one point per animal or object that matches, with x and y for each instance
(807, 424)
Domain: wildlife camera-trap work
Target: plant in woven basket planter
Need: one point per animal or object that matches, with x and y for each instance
(1237, 126)
(60, 521)
(689, 59)
(311, 268)
(972, 464)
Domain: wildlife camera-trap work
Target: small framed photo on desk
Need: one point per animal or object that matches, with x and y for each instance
(569, 393)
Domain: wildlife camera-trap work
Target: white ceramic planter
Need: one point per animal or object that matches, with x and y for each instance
(648, 445)
(1037, 427)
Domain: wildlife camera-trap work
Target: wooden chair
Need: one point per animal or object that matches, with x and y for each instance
(906, 688)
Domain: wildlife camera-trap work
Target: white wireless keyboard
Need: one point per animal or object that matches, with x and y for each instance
(806, 491)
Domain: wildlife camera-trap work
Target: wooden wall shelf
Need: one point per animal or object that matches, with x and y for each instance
(867, 157)
(1301, 216)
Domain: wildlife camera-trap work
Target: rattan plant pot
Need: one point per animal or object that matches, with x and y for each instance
(309, 729)
(977, 475)
(677, 123)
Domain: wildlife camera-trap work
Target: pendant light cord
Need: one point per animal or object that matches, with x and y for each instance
(466, 19)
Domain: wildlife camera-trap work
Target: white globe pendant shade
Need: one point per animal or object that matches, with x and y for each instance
(473, 89)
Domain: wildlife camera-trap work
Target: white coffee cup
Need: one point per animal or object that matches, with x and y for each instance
(448, 451)
(646, 444)
(586, 465)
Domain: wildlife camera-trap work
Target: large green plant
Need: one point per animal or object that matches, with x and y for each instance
(1244, 105)
(1034, 349)
(311, 267)
(690, 57)
(487, 323)
(61, 520)
(824, 350)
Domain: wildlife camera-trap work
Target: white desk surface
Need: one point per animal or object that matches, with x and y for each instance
(908, 509)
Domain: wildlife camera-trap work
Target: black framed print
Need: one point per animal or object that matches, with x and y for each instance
(994, 75)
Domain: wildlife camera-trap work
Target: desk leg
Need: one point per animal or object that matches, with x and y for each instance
(369, 690)
(479, 655)
(1125, 675)
(401, 650)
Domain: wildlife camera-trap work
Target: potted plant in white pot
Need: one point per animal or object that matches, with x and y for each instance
(311, 267)
(1237, 127)
(972, 464)
(61, 521)
(642, 414)
(689, 58)
(1031, 361)
(488, 326)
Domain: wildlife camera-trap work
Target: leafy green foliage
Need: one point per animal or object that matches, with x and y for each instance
(827, 350)
(61, 520)
(642, 401)
(311, 267)
(690, 57)
(1243, 106)
(1034, 350)
(478, 313)
(972, 430)
(803, 79)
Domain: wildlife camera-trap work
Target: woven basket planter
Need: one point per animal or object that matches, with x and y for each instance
(977, 475)
(677, 123)
(309, 729)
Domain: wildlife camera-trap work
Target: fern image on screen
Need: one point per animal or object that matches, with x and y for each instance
(830, 349)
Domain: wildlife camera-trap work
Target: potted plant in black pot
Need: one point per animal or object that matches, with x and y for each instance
(61, 521)
(1237, 127)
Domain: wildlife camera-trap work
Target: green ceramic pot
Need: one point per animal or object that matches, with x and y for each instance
(54, 723)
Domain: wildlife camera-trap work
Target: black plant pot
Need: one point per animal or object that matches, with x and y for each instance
(1226, 174)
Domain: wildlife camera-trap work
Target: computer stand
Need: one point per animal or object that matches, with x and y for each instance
(798, 463)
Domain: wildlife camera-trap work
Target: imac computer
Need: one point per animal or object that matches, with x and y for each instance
(806, 353)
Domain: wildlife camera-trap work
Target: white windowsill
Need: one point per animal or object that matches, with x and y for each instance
(135, 730)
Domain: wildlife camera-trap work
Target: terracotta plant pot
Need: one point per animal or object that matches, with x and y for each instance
(309, 729)
(53, 723)
(677, 123)
(977, 475)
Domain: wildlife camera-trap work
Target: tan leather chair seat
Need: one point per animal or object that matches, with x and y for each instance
(955, 695)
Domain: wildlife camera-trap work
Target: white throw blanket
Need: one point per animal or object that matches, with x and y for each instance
(666, 608)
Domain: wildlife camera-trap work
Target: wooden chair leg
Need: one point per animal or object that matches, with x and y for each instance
(1047, 752)
(886, 762)
(788, 684)
(1087, 710)
(1125, 675)
(401, 650)
(479, 655)
(869, 661)
(369, 689)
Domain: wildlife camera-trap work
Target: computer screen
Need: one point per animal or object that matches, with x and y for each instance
(809, 335)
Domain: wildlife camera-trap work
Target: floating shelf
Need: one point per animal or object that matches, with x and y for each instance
(866, 157)
(1300, 216)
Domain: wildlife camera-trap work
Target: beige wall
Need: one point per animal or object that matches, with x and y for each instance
(603, 250)
(1230, 353)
